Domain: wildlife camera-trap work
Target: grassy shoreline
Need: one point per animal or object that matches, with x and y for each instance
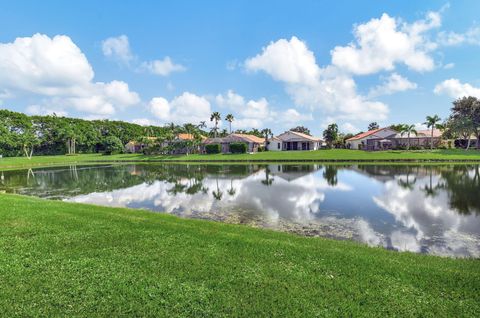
(68, 259)
(326, 156)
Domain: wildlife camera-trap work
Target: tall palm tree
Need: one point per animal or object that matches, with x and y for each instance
(432, 121)
(408, 130)
(216, 117)
(230, 118)
(266, 133)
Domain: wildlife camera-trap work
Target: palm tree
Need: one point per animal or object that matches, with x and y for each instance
(266, 133)
(202, 124)
(230, 118)
(408, 130)
(215, 117)
(432, 121)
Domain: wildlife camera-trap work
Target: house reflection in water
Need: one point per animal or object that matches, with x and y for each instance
(429, 209)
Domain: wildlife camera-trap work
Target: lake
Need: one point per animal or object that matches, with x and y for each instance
(433, 209)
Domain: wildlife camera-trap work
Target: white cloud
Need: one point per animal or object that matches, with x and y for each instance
(230, 100)
(257, 113)
(57, 69)
(392, 84)
(455, 89)
(349, 128)
(41, 110)
(337, 95)
(288, 61)
(186, 108)
(471, 36)
(118, 48)
(144, 122)
(449, 66)
(381, 43)
(163, 67)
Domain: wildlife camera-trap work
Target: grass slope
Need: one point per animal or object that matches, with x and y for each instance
(60, 259)
(325, 155)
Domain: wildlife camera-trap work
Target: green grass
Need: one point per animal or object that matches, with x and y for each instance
(299, 156)
(61, 259)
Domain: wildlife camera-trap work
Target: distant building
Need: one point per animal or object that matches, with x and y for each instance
(359, 141)
(292, 140)
(387, 138)
(274, 144)
(135, 146)
(253, 142)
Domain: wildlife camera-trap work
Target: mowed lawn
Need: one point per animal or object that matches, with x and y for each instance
(325, 155)
(61, 259)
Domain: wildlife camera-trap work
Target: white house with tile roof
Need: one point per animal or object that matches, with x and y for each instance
(292, 140)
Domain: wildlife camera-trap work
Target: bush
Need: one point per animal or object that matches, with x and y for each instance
(262, 149)
(238, 147)
(112, 145)
(212, 148)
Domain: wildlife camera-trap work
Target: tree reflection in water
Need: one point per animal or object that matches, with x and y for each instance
(434, 209)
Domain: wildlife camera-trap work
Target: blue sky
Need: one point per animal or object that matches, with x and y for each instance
(273, 64)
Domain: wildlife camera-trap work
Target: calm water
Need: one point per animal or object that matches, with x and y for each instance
(426, 209)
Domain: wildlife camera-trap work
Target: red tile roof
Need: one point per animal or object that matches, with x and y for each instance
(365, 134)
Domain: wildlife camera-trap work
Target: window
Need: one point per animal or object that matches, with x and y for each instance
(278, 145)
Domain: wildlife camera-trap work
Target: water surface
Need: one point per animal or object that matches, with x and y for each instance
(425, 209)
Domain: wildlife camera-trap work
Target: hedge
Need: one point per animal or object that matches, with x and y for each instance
(212, 148)
(238, 147)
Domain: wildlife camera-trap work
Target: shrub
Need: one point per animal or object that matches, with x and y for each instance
(112, 145)
(212, 148)
(238, 147)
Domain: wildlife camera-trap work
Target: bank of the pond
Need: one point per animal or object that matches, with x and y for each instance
(60, 259)
(327, 156)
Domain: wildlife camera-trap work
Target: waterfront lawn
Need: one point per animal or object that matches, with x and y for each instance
(319, 155)
(61, 259)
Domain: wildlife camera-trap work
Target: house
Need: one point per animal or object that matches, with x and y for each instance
(360, 141)
(274, 144)
(253, 142)
(421, 139)
(387, 138)
(135, 146)
(292, 140)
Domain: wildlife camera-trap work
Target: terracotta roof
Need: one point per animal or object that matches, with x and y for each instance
(428, 132)
(250, 138)
(366, 134)
(188, 137)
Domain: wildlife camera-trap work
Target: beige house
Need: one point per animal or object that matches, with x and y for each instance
(253, 142)
(292, 140)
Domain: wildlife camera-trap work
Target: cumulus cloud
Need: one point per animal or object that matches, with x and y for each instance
(392, 84)
(349, 128)
(382, 43)
(56, 68)
(42, 110)
(257, 113)
(118, 48)
(144, 122)
(186, 108)
(288, 61)
(328, 89)
(163, 67)
(456, 89)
